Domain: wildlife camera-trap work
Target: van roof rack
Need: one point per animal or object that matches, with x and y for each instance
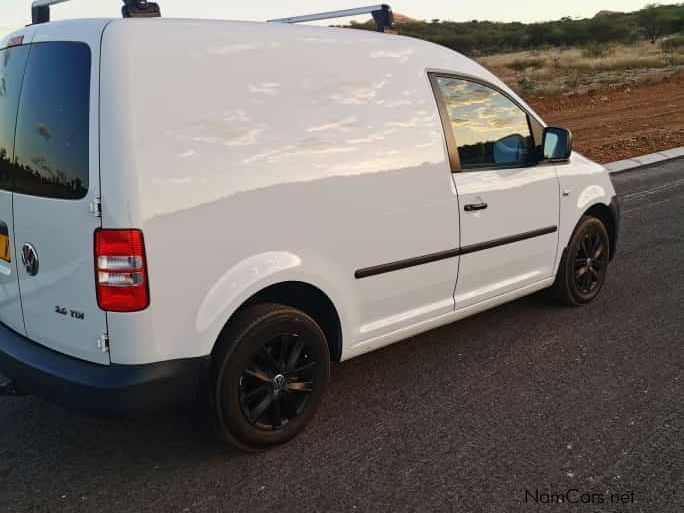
(382, 15)
(40, 9)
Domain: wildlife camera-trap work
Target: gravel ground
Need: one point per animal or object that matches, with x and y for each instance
(614, 124)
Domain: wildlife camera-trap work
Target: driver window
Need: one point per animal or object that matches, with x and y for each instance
(488, 128)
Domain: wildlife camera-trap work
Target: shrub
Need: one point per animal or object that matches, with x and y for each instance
(595, 50)
(525, 85)
(523, 64)
(673, 43)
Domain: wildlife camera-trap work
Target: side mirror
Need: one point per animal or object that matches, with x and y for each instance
(556, 144)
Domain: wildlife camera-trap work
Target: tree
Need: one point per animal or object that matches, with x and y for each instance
(486, 37)
(656, 21)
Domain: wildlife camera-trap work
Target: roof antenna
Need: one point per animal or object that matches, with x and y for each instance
(40, 9)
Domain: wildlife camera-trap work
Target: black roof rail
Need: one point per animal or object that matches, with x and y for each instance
(382, 14)
(40, 9)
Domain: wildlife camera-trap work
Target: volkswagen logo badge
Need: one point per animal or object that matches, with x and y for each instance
(279, 383)
(29, 257)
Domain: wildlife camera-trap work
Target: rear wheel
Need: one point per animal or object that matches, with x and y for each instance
(583, 268)
(270, 373)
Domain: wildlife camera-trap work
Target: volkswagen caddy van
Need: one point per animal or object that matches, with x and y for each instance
(214, 211)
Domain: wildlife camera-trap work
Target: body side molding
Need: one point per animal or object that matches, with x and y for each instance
(450, 253)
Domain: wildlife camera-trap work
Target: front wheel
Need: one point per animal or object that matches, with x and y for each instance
(584, 266)
(270, 373)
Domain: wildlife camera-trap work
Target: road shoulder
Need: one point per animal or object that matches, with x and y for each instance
(645, 160)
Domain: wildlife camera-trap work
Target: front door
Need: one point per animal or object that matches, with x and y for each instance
(509, 205)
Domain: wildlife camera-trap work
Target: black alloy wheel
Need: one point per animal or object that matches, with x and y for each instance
(590, 262)
(271, 370)
(584, 266)
(278, 382)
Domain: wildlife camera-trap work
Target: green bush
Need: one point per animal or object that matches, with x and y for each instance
(523, 64)
(525, 85)
(673, 43)
(595, 50)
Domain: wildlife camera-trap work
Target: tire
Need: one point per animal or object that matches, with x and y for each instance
(584, 265)
(270, 372)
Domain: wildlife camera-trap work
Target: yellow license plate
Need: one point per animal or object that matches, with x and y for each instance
(4, 243)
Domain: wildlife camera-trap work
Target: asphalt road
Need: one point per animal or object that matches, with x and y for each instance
(529, 396)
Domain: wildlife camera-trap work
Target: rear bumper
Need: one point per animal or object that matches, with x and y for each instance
(103, 389)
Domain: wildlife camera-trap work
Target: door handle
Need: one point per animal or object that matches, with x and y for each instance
(472, 207)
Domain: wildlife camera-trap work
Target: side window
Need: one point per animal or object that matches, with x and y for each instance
(51, 156)
(489, 129)
(12, 63)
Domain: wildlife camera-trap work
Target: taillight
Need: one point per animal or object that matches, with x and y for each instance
(121, 270)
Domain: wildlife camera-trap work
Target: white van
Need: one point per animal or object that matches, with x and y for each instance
(211, 209)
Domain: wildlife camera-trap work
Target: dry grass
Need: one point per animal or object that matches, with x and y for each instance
(578, 70)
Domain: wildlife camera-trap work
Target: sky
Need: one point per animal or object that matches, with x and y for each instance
(16, 13)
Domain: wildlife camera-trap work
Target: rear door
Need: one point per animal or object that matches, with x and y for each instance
(56, 186)
(12, 63)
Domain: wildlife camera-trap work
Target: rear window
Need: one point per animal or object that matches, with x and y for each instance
(51, 148)
(12, 64)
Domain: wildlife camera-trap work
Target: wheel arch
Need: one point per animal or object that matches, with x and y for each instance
(307, 298)
(608, 216)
